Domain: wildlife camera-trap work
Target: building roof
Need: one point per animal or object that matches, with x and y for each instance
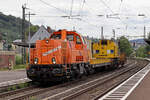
(40, 35)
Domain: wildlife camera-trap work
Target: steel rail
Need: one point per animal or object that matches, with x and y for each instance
(85, 87)
(90, 87)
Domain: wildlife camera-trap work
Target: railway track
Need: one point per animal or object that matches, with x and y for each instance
(9, 93)
(59, 89)
(28, 92)
(80, 92)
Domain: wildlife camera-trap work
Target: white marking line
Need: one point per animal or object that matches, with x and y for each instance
(48, 98)
(146, 70)
(13, 81)
(51, 51)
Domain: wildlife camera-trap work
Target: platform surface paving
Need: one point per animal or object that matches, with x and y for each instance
(142, 91)
(136, 87)
(12, 75)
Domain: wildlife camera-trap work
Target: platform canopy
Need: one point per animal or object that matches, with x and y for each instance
(147, 41)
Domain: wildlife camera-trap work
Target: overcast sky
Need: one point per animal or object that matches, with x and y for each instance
(125, 15)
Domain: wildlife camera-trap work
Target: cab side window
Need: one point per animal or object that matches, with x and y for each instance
(70, 37)
(78, 40)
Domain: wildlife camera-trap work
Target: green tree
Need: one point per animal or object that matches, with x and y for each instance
(147, 48)
(33, 30)
(11, 27)
(142, 52)
(125, 46)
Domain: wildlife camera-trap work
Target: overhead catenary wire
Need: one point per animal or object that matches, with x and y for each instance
(106, 6)
(82, 5)
(27, 2)
(37, 15)
(50, 5)
(79, 19)
(59, 8)
(71, 8)
(81, 8)
(119, 18)
(89, 8)
(71, 13)
(88, 23)
(98, 27)
(120, 6)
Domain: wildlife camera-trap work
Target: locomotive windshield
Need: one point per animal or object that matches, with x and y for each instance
(56, 36)
(70, 37)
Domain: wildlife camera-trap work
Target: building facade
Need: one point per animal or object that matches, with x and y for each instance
(7, 59)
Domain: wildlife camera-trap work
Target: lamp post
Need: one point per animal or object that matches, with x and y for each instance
(29, 35)
(143, 15)
(114, 33)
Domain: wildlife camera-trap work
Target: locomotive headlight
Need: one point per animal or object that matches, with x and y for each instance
(53, 60)
(35, 60)
(46, 41)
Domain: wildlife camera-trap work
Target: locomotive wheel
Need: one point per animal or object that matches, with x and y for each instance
(90, 70)
(76, 73)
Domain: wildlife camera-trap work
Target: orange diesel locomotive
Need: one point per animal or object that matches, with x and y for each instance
(63, 55)
(67, 54)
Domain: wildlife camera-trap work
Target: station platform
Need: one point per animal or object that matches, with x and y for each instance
(12, 75)
(136, 87)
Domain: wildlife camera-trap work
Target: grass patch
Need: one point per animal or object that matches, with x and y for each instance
(15, 87)
(32, 98)
(11, 88)
(19, 67)
(19, 64)
(23, 85)
(18, 59)
(3, 69)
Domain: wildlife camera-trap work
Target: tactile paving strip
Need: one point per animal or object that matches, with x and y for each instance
(122, 91)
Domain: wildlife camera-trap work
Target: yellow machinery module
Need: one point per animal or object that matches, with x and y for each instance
(104, 52)
(105, 49)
